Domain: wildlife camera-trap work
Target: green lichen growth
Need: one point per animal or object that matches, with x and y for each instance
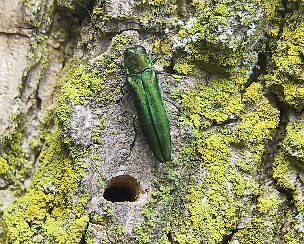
(41, 18)
(163, 50)
(293, 144)
(202, 203)
(83, 84)
(44, 212)
(183, 68)
(157, 225)
(258, 124)
(156, 7)
(4, 166)
(216, 183)
(202, 35)
(212, 43)
(52, 211)
(213, 208)
(287, 163)
(211, 104)
(294, 233)
(290, 156)
(268, 209)
(13, 146)
(96, 136)
(15, 167)
(105, 221)
(281, 170)
(211, 204)
(287, 74)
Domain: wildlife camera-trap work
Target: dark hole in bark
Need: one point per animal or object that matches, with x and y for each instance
(123, 188)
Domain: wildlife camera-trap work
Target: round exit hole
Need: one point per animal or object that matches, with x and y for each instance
(123, 188)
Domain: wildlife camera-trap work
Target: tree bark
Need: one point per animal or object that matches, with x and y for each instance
(75, 166)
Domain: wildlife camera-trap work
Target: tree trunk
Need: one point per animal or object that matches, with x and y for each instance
(75, 165)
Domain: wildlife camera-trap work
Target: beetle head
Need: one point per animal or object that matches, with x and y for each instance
(136, 60)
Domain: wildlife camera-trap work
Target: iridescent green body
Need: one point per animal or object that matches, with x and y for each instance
(148, 102)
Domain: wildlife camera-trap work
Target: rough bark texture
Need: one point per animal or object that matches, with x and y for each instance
(231, 75)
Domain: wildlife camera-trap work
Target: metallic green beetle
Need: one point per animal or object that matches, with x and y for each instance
(148, 102)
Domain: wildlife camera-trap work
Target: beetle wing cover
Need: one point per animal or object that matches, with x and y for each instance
(140, 100)
(157, 109)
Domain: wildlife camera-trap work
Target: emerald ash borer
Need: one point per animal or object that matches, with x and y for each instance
(144, 90)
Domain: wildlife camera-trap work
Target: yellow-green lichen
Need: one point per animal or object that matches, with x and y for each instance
(96, 136)
(258, 124)
(290, 157)
(222, 182)
(282, 169)
(268, 209)
(213, 207)
(163, 52)
(4, 166)
(212, 40)
(223, 195)
(16, 167)
(288, 163)
(157, 7)
(212, 103)
(83, 84)
(52, 211)
(293, 144)
(287, 73)
(157, 224)
(105, 221)
(182, 67)
(44, 212)
(220, 191)
(294, 233)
